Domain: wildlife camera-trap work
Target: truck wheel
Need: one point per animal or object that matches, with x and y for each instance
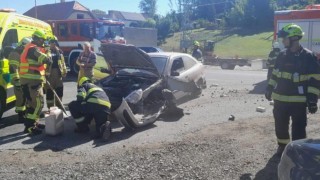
(231, 67)
(2, 102)
(224, 65)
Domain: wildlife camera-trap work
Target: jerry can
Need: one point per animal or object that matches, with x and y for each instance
(54, 122)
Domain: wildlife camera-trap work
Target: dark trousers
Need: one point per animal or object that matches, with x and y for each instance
(270, 69)
(282, 113)
(90, 111)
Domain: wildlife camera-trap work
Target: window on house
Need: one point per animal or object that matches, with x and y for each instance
(80, 16)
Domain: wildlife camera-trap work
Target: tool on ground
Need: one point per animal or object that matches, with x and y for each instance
(57, 97)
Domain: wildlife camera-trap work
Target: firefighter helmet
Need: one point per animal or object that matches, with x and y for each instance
(40, 34)
(83, 80)
(24, 41)
(196, 43)
(290, 30)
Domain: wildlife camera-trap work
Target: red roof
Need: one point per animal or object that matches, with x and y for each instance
(57, 11)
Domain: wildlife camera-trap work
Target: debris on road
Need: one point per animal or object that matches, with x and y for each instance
(261, 109)
(231, 118)
(271, 103)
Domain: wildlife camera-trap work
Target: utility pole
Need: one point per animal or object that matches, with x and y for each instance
(35, 9)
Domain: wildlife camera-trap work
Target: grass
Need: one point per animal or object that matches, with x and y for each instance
(241, 43)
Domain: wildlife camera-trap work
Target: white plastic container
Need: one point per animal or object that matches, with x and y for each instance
(54, 122)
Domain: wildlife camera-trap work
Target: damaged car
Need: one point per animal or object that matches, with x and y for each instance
(142, 86)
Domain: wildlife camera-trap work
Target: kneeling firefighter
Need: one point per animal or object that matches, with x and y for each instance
(92, 102)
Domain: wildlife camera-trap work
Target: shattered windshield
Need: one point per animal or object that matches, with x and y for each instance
(160, 63)
(107, 31)
(135, 72)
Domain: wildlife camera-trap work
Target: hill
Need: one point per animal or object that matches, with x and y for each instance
(243, 43)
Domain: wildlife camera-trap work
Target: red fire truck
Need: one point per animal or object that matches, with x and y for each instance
(308, 19)
(73, 33)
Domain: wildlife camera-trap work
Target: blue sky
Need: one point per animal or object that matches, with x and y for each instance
(21, 6)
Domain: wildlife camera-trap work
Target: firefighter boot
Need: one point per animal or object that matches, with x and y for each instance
(21, 117)
(31, 128)
(103, 132)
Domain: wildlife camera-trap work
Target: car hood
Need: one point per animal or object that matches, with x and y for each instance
(121, 56)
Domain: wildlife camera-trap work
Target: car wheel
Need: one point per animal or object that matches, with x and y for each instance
(2, 102)
(196, 93)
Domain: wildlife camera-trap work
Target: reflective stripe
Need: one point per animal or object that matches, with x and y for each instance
(99, 101)
(303, 78)
(14, 63)
(283, 141)
(79, 120)
(82, 94)
(20, 108)
(315, 76)
(94, 89)
(283, 98)
(32, 116)
(272, 82)
(313, 90)
(32, 76)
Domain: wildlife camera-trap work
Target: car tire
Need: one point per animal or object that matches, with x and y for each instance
(2, 102)
(231, 67)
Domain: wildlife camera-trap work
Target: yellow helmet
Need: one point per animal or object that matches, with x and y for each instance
(40, 34)
(83, 80)
(196, 43)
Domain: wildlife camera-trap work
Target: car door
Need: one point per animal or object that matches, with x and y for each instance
(177, 80)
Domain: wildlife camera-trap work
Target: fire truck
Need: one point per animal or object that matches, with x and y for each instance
(73, 33)
(308, 19)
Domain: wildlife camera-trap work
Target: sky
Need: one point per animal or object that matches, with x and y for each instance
(21, 6)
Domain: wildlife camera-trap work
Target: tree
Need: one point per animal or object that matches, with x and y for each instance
(148, 6)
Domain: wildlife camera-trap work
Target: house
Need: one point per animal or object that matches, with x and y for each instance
(60, 11)
(129, 18)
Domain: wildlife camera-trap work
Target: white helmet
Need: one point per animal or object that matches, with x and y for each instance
(24, 41)
(276, 45)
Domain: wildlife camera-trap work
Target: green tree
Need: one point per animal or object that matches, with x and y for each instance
(148, 6)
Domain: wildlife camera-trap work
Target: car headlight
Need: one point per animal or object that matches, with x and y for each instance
(134, 96)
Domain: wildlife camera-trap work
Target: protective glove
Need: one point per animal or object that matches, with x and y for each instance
(312, 107)
(268, 93)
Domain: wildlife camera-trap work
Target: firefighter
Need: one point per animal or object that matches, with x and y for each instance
(32, 76)
(14, 57)
(294, 86)
(272, 57)
(56, 71)
(196, 52)
(86, 61)
(92, 102)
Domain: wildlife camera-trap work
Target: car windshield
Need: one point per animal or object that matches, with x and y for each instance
(160, 63)
(135, 72)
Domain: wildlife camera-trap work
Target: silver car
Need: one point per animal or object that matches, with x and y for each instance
(142, 85)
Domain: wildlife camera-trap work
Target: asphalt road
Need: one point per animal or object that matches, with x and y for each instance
(229, 92)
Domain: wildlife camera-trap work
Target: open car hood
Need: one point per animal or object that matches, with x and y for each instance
(121, 56)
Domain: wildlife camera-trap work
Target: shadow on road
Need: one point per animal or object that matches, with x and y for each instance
(259, 88)
(269, 172)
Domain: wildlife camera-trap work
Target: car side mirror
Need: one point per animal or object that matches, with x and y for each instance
(175, 73)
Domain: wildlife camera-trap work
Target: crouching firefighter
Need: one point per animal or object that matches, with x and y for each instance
(92, 102)
(32, 76)
(14, 58)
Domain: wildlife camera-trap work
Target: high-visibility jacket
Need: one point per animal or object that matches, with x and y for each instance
(90, 93)
(31, 66)
(272, 57)
(295, 77)
(14, 62)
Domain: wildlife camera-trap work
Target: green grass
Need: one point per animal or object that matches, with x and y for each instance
(239, 43)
